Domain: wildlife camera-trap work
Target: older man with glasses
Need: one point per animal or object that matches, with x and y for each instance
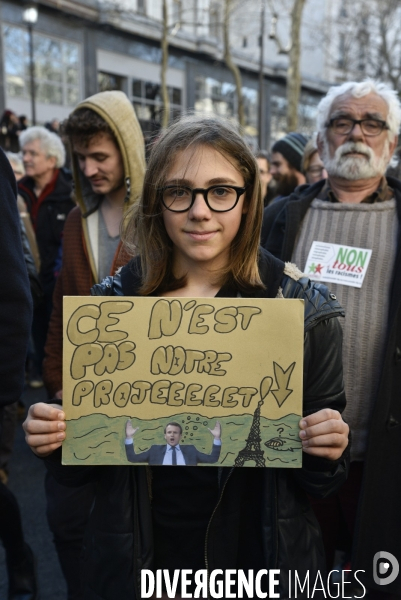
(345, 232)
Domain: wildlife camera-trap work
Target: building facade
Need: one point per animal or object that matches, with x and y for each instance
(81, 47)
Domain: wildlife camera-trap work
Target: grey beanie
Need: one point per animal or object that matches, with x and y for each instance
(292, 147)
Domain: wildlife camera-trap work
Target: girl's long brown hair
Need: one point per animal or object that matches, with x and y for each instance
(144, 229)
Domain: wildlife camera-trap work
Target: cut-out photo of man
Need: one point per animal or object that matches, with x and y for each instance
(172, 453)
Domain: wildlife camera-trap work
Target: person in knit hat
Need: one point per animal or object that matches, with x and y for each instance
(286, 163)
(345, 231)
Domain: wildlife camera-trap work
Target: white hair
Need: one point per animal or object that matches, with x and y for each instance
(50, 143)
(358, 90)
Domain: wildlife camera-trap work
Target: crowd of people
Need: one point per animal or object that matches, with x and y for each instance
(114, 225)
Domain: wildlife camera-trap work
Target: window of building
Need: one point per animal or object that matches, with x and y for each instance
(141, 7)
(218, 97)
(57, 67)
(244, 42)
(307, 111)
(214, 97)
(363, 43)
(176, 13)
(108, 82)
(146, 98)
(341, 51)
(214, 20)
(278, 116)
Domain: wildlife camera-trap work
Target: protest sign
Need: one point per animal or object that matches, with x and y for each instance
(131, 366)
(334, 263)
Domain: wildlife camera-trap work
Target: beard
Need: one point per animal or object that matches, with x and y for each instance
(353, 168)
(286, 184)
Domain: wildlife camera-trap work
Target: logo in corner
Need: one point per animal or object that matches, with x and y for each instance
(385, 568)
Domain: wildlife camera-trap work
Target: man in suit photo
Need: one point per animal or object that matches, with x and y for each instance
(172, 453)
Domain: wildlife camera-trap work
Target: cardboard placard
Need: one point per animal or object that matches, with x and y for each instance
(192, 361)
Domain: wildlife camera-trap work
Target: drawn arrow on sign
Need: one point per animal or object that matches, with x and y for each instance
(282, 380)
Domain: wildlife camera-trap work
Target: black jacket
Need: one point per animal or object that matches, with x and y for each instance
(34, 283)
(49, 223)
(15, 296)
(379, 517)
(118, 542)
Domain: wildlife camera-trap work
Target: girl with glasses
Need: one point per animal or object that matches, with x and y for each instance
(195, 233)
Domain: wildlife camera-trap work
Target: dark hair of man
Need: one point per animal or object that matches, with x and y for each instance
(173, 424)
(83, 125)
(265, 155)
(145, 228)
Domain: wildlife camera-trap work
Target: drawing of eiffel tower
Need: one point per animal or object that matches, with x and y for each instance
(252, 449)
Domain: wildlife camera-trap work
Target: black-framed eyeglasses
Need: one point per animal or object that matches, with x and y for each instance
(316, 170)
(219, 198)
(344, 125)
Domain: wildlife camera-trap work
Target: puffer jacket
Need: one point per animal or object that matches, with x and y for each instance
(118, 542)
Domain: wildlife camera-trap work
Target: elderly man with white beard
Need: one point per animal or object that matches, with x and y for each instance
(345, 232)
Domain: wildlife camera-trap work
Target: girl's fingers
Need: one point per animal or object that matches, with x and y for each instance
(323, 428)
(41, 441)
(44, 428)
(324, 434)
(46, 449)
(37, 426)
(334, 440)
(326, 414)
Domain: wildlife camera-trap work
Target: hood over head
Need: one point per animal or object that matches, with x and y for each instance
(118, 112)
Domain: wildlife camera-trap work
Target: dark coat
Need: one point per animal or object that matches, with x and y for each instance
(379, 517)
(49, 223)
(155, 455)
(269, 505)
(15, 295)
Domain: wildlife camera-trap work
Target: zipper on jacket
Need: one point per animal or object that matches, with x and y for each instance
(127, 189)
(208, 527)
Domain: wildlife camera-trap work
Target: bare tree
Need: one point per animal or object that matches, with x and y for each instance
(293, 50)
(384, 60)
(369, 41)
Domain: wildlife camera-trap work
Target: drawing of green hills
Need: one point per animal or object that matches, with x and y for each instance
(99, 440)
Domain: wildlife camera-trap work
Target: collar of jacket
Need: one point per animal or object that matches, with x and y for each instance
(61, 190)
(292, 210)
(128, 280)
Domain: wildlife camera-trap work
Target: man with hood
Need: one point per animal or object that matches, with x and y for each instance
(108, 161)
